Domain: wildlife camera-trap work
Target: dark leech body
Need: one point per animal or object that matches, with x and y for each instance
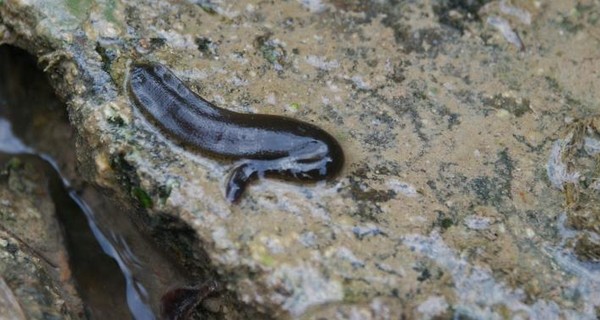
(269, 144)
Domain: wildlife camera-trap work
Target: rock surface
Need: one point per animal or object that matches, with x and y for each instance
(453, 116)
(35, 281)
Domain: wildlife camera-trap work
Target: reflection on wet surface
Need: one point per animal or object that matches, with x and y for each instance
(119, 273)
(99, 280)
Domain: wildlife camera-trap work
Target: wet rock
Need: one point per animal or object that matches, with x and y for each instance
(446, 207)
(9, 304)
(573, 168)
(36, 277)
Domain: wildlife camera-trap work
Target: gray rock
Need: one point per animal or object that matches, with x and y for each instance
(36, 280)
(442, 120)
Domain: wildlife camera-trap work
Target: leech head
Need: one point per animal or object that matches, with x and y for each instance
(137, 76)
(319, 159)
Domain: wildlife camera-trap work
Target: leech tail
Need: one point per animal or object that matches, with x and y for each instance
(238, 180)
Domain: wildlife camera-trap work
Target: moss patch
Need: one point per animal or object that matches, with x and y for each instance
(79, 8)
(142, 197)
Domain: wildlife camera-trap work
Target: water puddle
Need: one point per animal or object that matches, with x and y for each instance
(118, 272)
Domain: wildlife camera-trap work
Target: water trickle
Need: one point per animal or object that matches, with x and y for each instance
(119, 272)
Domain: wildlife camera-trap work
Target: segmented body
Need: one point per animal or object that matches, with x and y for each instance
(269, 144)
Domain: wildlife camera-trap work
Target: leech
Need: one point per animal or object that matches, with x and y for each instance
(268, 144)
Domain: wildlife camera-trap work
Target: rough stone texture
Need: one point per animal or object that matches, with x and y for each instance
(450, 113)
(34, 264)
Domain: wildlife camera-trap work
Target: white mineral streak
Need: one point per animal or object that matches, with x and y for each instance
(432, 307)
(591, 146)
(505, 29)
(556, 169)
(595, 185)
(322, 63)
(305, 286)
(360, 83)
(237, 81)
(361, 231)
(479, 295)
(314, 6)
(523, 15)
(347, 254)
(477, 223)
(585, 282)
(402, 187)
(177, 40)
(271, 198)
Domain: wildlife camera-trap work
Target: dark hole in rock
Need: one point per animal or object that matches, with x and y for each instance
(118, 271)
